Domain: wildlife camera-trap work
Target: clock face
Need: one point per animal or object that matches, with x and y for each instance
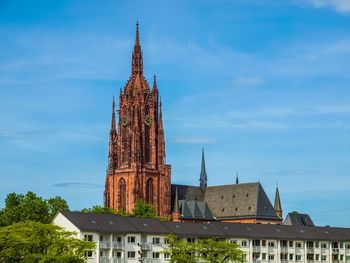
(124, 121)
(148, 120)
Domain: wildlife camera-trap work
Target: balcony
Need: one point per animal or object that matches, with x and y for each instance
(145, 246)
(335, 250)
(110, 245)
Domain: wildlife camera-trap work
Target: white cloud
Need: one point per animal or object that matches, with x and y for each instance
(342, 6)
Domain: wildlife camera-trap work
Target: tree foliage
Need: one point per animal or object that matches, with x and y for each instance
(19, 208)
(29, 242)
(205, 250)
(141, 209)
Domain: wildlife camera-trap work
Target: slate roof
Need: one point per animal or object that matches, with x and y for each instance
(297, 219)
(235, 201)
(195, 210)
(122, 225)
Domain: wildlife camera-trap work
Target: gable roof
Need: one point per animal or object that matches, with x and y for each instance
(297, 219)
(233, 201)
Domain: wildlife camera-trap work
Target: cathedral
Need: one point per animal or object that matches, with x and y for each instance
(137, 168)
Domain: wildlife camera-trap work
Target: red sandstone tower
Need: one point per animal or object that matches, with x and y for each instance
(136, 165)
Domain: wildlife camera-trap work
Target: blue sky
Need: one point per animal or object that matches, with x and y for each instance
(263, 86)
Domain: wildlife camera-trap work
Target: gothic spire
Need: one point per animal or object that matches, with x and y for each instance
(112, 156)
(237, 181)
(277, 206)
(203, 179)
(137, 61)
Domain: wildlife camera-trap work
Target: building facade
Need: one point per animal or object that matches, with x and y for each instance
(136, 162)
(127, 239)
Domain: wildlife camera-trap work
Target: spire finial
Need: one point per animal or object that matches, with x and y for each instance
(203, 178)
(137, 61)
(137, 40)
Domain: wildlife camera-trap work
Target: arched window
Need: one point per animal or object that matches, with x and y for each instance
(149, 191)
(122, 195)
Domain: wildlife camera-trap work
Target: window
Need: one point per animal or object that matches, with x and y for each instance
(298, 244)
(284, 256)
(291, 244)
(323, 257)
(348, 246)
(131, 239)
(335, 245)
(317, 244)
(317, 257)
(88, 254)
(166, 256)
(291, 256)
(256, 243)
(284, 243)
(310, 244)
(271, 257)
(149, 191)
(341, 257)
(233, 241)
(88, 238)
(101, 238)
(263, 256)
(131, 254)
(341, 245)
(243, 243)
(166, 240)
(298, 257)
(271, 244)
(190, 240)
(117, 254)
(256, 255)
(263, 243)
(323, 245)
(156, 240)
(155, 254)
(122, 195)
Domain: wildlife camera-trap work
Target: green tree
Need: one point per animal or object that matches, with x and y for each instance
(98, 209)
(55, 205)
(143, 209)
(181, 251)
(29, 242)
(205, 250)
(19, 208)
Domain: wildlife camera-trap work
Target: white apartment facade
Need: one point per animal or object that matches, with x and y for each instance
(121, 239)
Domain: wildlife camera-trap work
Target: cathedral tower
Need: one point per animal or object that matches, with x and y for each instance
(136, 164)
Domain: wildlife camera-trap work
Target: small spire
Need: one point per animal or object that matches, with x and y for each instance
(237, 181)
(176, 202)
(203, 179)
(277, 206)
(137, 39)
(137, 60)
(154, 81)
(113, 127)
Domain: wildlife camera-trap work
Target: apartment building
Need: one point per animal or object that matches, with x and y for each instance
(128, 239)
